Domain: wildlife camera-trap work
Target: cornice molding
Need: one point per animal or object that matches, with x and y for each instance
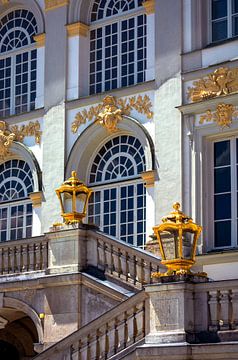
(40, 40)
(77, 29)
(36, 198)
(149, 178)
(54, 4)
(149, 6)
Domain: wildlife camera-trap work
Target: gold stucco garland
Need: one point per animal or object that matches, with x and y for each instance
(17, 132)
(223, 115)
(222, 81)
(110, 112)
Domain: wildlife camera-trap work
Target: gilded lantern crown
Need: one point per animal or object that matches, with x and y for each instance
(73, 194)
(177, 237)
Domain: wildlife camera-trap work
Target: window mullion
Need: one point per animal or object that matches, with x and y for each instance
(118, 209)
(29, 82)
(229, 18)
(103, 57)
(13, 84)
(119, 54)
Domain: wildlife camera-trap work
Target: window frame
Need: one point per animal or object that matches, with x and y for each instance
(228, 17)
(209, 195)
(102, 23)
(12, 54)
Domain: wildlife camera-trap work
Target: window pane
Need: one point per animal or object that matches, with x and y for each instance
(223, 233)
(234, 6)
(219, 9)
(222, 153)
(219, 30)
(222, 207)
(222, 180)
(235, 26)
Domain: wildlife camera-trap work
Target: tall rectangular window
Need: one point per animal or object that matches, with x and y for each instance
(118, 54)
(224, 19)
(225, 193)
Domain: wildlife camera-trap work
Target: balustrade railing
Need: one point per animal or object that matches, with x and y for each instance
(23, 255)
(106, 336)
(223, 306)
(120, 260)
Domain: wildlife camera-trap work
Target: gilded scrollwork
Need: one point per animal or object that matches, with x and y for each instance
(223, 115)
(15, 132)
(31, 129)
(6, 139)
(222, 81)
(110, 112)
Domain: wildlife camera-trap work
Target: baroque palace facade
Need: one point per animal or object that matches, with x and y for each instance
(140, 98)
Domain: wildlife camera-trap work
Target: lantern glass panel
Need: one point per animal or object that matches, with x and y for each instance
(81, 199)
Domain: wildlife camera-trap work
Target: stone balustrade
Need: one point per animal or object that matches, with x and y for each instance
(122, 261)
(24, 255)
(111, 333)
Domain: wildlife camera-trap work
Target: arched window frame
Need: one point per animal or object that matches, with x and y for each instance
(127, 67)
(16, 213)
(118, 206)
(18, 75)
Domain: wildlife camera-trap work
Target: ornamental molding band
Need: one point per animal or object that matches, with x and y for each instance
(54, 4)
(77, 29)
(40, 40)
(149, 6)
(110, 112)
(222, 116)
(17, 133)
(3, 2)
(222, 81)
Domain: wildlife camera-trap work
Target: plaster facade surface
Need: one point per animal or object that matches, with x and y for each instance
(81, 291)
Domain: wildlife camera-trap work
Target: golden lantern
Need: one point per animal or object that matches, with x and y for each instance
(73, 196)
(177, 237)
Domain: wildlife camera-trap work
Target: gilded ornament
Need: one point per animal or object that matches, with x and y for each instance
(6, 139)
(110, 105)
(222, 81)
(31, 129)
(110, 115)
(17, 133)
(222, 116)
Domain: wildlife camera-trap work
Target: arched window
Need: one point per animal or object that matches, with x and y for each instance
(16, 183)
(17, 62)
(117, 204)
(117, 44)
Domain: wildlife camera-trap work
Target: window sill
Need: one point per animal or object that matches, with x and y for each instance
(221, 42)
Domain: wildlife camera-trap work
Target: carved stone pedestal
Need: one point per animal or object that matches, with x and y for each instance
(172, 312)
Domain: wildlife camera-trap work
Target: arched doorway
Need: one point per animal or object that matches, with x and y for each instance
(8, 351)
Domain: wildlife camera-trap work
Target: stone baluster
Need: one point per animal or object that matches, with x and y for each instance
(141, 271)
(37, 256)
(98, 344)
(18, 264)
(100, 255)
(224, 303)
(109, 259)
(89, 348)
(132, 268)
(31, 250)
(107, 344)
(213, 310)
(25, 258)
(117, 261)
(234, 312)
(5, 260)
(123, 264)
(11, 260)
(44, 250)
(135, 327)
(116, 336)
(1, 261)
(126, 334)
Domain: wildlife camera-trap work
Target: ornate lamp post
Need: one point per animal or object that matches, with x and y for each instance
(76, 195)
(177, 237)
